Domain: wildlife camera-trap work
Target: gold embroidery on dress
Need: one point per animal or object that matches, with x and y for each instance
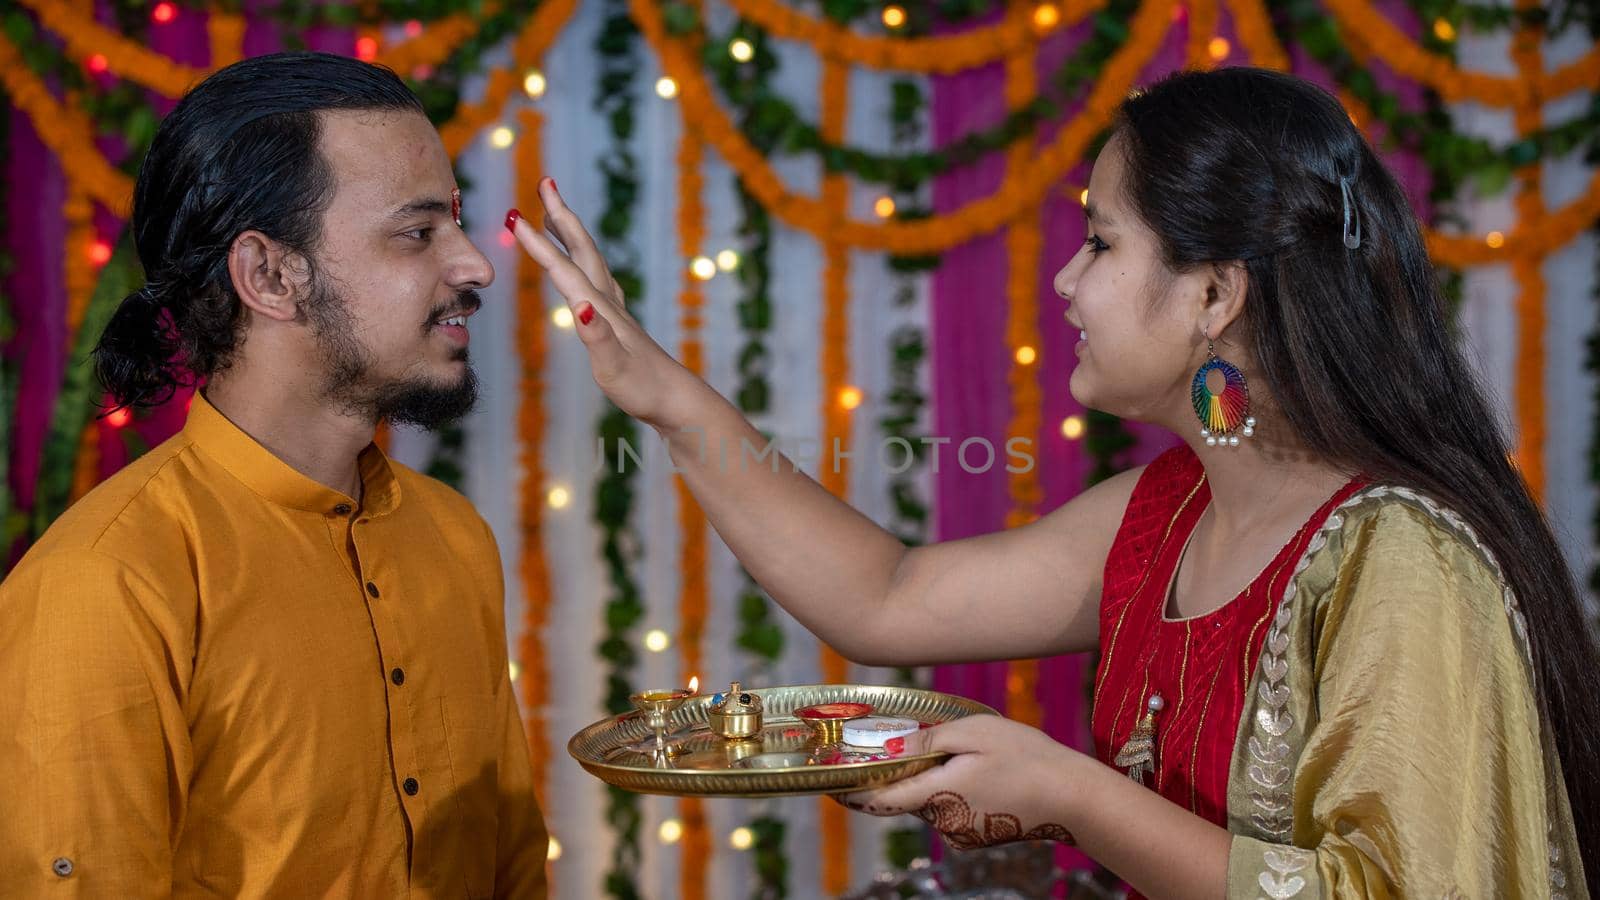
(1111, 648)
(1282, 882)
(1271, 756)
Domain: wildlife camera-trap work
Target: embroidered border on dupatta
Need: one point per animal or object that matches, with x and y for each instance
(1272, 756)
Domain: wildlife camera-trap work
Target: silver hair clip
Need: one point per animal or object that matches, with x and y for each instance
(1352, 239)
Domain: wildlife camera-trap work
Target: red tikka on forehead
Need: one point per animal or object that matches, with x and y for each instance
(455, 206)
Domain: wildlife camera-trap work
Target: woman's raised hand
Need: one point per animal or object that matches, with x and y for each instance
(641, 378)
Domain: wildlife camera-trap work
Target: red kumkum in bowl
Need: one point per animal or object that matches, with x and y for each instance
(827, 719)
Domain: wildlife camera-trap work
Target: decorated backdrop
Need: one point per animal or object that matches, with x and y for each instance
(845, 214)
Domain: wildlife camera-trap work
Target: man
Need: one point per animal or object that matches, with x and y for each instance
(264, 660)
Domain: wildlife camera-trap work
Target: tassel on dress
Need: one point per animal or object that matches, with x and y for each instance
(1138, 755)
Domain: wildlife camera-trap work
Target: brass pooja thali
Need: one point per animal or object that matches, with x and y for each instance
(771, 742)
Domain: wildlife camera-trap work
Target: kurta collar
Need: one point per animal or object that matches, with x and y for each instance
(275, 480)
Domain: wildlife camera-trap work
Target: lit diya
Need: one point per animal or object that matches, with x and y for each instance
(827, 719)
(658, 705)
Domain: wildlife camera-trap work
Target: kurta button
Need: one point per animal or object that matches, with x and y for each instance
(411, 787)
(342, 509)
(62, 866)
(398, 676)
(372, 589)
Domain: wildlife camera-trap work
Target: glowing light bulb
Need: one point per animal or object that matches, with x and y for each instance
(728, 260)
(554, 853)
(1443, 30)
(1495, 239)
(1219, 48)
(502, 137)
(850, 397)
(515, 670)
(119, 417)
(741, 839)
(366, 49)
(163, 13)
(1072, 427)
(670, 831)
(1083, 198)
(741, 50)
(558, 497)
(99, 252)
(884, 207)
(666, 87)
(703, 268)
(1026, 355)
(562, 316)
(893, 16)
(534, 84)
(98, 63)
(413, 28)
(1046, 16)
(656, 640)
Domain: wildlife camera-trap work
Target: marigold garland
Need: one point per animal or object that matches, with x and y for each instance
(1534, 236)
(225, 34)
(438, 40)
(836, 416)
(1529, 239)
(78, 269)
(78, 275)
(66, 131)
(538, 592)
(694, 592)
(84, 36)
(942, 55)
(536, 36)
(1203, 17)
(1023, 250)
(1254, 29)
(1527, 271)
(1365, 27)
(936, 233)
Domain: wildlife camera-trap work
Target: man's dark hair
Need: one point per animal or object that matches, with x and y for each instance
(238, 153)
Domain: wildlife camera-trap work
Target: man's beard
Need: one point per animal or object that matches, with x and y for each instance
(421, 402)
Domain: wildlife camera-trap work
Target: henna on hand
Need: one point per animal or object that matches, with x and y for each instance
(950, 814)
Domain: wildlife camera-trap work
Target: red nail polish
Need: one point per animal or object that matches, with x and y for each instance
(511, 220)
(586, 314)
(895, 745)
(553, 186)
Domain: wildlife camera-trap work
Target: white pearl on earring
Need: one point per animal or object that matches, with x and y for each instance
(1249, 432)
(1233, 441)
(1250, 422)
(1211, 441)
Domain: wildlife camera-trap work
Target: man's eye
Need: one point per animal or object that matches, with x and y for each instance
(420, 234)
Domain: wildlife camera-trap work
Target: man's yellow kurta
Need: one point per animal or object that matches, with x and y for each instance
(221, 678)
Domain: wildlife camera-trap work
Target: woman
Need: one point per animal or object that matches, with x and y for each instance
(1341, 653)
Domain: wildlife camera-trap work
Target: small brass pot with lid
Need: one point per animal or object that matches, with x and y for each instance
(736, 715)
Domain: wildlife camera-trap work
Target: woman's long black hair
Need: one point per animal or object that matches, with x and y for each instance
(238, 153)
(1354, 343)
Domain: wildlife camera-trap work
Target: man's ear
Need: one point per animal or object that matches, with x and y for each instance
(1226, 290)
(267, 276)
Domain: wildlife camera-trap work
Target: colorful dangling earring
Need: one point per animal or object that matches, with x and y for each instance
(1222, 414)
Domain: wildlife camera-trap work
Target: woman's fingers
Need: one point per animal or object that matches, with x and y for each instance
(607, 357)
(570, 279)
(568, 228)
